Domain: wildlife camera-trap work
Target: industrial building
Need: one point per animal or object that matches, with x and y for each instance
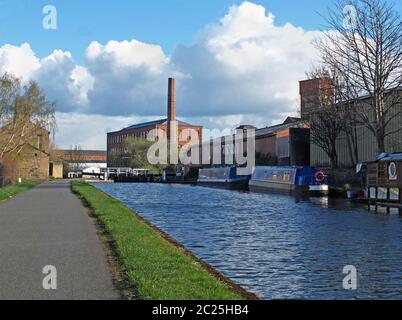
(289, 143)
(284, 144)
(118, 156)
(77, 161)
(366, 141)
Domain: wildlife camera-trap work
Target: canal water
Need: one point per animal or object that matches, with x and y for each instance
(276, 246)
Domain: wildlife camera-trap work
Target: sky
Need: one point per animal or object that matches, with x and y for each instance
(107, 62)
(167, 23)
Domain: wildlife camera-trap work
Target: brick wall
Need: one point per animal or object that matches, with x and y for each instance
(7, 173)
(32, 164)
(116, 140)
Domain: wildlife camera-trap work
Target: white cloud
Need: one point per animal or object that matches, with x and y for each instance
(81, 83)
(242, 69)
(20, 61)
(129, 78)
(128, 53)
(89, 131)
(245, 65)
(64, 81)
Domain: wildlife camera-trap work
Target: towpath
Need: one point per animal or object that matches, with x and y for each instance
(48, 227)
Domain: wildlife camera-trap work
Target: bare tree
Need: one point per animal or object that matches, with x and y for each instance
(364, 45)
(76, 158)
(328, 118)
(24, 111)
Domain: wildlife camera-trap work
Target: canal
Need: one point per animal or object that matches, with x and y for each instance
(276, 246)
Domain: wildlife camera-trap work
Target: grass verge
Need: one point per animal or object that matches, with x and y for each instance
(154, 266)
(12, 191)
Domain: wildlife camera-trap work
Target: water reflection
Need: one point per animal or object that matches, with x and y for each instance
(277, 246)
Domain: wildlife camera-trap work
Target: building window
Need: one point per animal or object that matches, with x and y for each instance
(40, 146)
(394, 194)
(372, 193)
(382, 193)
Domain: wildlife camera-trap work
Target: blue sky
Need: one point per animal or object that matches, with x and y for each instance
(166, 23)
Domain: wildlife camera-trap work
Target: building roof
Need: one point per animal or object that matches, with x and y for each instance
(146, 124)
(396, 156)
(83, 156)
(153, 123)
(86, 152)
(290, 122)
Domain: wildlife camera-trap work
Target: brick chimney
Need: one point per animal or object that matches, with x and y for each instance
(311, 91)
(171, 114)
(172, 126)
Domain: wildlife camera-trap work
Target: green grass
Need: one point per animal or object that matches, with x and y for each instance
(155, 267)
(12, 191)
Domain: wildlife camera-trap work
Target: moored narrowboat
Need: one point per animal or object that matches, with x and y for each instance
(225, 177)
(290, 180)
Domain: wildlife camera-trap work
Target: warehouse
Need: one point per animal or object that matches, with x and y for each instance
(284, 144)
(366, 141)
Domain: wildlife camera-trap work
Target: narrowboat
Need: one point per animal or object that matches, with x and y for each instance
(225, 177)
(290, 180)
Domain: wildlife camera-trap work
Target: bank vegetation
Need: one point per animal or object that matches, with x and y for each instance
(154, 267)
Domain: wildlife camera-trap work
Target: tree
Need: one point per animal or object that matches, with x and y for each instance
(328, 118)
(138, 152)
(114, 158)
(365, 48)
(24, 111)
(76, 158)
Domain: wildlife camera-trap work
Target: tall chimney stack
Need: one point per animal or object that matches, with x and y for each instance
(172, 100)
(172, 129)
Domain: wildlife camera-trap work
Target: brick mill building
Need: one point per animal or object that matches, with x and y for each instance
(116, 140)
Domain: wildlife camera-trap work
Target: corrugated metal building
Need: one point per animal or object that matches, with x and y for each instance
(283, 144)
(366, 141)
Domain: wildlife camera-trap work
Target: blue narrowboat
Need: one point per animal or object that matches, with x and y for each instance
(290, 180)
(224, 177)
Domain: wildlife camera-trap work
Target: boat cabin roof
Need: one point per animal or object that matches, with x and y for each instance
(396, 156)
(217, 173)
(284, 169)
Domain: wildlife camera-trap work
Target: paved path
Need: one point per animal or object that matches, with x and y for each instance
(49, 226)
